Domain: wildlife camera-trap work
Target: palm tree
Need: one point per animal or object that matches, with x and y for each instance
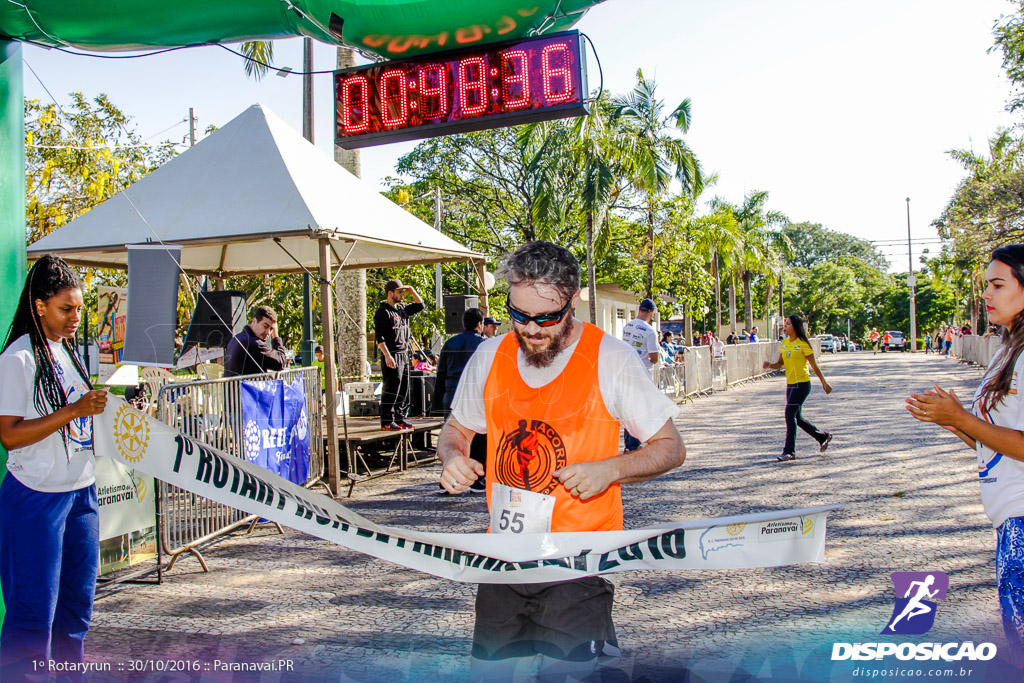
(653, 157)
(759, 240)
(581, 157)
(719, 236)
(259, 57)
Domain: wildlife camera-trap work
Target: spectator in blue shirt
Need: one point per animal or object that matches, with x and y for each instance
(668, 349)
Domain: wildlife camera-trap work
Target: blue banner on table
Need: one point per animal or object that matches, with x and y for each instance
(276, 427)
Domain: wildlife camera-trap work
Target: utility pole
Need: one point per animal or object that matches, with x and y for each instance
(191, 127)
(307, 346)
(438, 284)
(911, 282)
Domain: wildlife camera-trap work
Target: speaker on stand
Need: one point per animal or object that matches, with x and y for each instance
(455, 305)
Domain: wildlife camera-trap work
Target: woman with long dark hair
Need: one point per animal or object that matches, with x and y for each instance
(795, 355)
(49, 524)
(992, 428)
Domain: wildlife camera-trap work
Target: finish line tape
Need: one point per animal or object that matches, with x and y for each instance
(763, 540)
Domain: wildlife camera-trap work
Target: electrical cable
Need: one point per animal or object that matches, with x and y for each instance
(106, 56)
(600, 69)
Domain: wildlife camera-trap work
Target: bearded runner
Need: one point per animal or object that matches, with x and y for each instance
(552, 396)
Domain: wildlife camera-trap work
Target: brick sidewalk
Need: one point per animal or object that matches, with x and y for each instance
(910, 503)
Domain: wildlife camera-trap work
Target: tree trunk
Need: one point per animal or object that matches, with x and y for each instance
(768, 304)
(688, 326)
(748, 308)
(650, 251)
(718, 293)
(732, 303)
(591, 271)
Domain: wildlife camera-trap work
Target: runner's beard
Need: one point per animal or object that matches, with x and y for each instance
(544, 358)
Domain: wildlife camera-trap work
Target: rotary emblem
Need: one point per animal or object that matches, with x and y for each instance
(253, 441)
(735, 529)
(131, 433)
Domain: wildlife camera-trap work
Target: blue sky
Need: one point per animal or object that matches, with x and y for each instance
(839, 110)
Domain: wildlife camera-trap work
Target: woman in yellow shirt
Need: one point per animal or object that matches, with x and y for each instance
(796, 353)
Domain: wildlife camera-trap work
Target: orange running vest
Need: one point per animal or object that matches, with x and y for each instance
(533, 432)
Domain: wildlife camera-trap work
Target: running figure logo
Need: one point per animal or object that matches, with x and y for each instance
(528, 455)
(914, 613)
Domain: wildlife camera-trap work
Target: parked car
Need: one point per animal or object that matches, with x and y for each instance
(896, 341)
(828, 343)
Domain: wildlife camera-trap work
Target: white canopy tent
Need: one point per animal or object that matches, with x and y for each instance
(256, 197)
(228, 198)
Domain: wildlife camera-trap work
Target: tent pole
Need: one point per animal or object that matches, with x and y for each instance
(480, 269)
(331, 380)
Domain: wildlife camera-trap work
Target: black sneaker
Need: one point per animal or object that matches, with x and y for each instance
(392, 427)
(825, 443)
(405, 424)
(786, 457)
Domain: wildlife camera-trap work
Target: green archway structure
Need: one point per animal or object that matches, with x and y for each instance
(389, 28)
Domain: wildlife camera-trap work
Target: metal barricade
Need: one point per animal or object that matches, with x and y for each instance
(975, 349)
(741, 363)
(670, 379)
(210, 411)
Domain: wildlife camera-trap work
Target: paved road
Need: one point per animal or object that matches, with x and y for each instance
(910, 503)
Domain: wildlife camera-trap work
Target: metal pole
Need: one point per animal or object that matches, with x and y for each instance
(307, 345)
(331, 379)
(191, 127)
(911, 282)
(438, 280)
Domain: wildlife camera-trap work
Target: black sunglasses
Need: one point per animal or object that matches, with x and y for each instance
(542, 320)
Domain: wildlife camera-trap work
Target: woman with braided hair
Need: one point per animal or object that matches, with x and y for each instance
(49, 524)
(992, 428)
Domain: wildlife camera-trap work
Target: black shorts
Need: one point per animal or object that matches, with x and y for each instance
(569, 620)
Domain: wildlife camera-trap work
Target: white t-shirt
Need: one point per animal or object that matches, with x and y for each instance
(46, 465)
(1001, 477)
(627, 390)
(643, 339)
(718, 348)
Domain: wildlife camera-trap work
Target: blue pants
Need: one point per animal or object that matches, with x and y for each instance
(49, 558)
(1010, 583)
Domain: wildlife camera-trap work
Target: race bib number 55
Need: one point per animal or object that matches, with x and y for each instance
(516, 511)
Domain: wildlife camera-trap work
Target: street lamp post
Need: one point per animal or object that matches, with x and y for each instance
(911, 283)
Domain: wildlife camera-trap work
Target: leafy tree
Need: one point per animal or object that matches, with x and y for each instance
(823, 293)
(813, 243)
(78, 160)
(1009, 40)
(760, 244)
(655, 157)
(590, 150)
(491, 187)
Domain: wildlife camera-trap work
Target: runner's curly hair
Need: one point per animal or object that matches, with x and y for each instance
(545, 263)
(48, 277)
(998, 385)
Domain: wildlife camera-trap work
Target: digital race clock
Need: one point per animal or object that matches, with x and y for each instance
(504, 84)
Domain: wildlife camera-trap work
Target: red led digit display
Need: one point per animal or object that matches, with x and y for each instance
(535, 79)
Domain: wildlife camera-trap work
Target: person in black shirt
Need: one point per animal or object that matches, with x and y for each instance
(248, 352)
(391, 328)
(455, 354)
